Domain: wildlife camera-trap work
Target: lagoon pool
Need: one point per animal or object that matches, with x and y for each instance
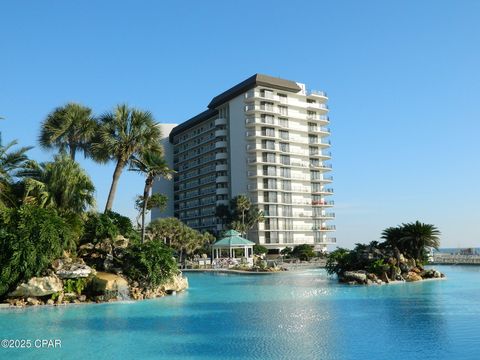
(296, 315)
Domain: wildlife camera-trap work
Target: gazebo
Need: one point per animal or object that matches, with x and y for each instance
(232, 241)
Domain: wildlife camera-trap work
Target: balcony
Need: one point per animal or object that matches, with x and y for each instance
(221, 133)
(220, 122)
(221, 156)
(222, 191)
(220, 144)
(317, 106)
(317, 93)
(222, 202)
(323, 203)
(221, 167)
(323, 191)
(222, 179)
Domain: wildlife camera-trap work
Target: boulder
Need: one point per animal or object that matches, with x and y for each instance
(33, 301)
(413, 276)
(75, 271)
(385, 278)
(38, 286)
(357, 276)
(110, 285)
(120, 242)
(177, 283)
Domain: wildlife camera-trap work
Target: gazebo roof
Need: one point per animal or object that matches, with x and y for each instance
(233, 239)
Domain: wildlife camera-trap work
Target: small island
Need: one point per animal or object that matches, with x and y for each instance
(399, 257)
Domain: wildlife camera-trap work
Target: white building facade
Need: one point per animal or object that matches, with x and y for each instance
(266, 138)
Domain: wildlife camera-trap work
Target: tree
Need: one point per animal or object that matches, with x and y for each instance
(303, 252)
(259, 249)
(242, 215)
(30, 239)
(11, 163)
(61, 184)
(68, 128)
(121, 134)
(418, 238)
(155, 201)
(153, 165)
(177, 235)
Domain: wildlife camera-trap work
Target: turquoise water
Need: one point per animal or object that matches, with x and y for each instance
(301, 315)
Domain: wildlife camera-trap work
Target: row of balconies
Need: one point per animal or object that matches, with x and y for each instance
(319, 203)
(309, 178)
(300, 164)
(278, 148)
(326, 216)
(267, 227)
(295, 189)
(272, 121)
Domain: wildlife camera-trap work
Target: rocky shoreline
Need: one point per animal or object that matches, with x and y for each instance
(362, 277)
(72, 281)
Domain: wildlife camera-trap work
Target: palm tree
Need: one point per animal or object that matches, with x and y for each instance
(152, 164)
(68, 128)
(11, 162)
(417, 237)
(121, 134)
(243, 204)
(61, 184)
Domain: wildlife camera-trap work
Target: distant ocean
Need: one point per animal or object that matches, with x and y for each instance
(455, 250)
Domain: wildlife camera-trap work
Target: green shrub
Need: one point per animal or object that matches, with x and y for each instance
(99, 227)
(303, 252)
(30, 239)
(150, 263)
(259, 249)
(75, 285)
(378, 267)
(123, 223)
(286, 251)
(339, 261)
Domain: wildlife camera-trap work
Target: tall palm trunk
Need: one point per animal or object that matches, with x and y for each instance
(113, 187)
(73, 150)
(146, 196)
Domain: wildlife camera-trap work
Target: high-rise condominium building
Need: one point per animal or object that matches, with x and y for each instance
(266, 138)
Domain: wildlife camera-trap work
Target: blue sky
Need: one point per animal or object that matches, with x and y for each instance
(403, 80)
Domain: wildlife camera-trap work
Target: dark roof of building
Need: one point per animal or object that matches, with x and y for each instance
(207, 114)
(250, 83)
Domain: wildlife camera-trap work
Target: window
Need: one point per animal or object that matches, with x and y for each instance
(270, 196)
(312, 139)
(267, 106)
(283, 110)
(282, 98)
(313, 150)
(285, 172)
(268, 157)
(285, 159)
(286, 185)
(269, 170)
(268, 94)
(283, 122)
(312, 127)
(283, 134)
(268, 144)
(269, 183)
(311, 115)
(266, 131)
(267, 119)
(285, 147)
(286, 198)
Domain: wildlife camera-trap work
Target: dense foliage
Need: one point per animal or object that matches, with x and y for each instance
(30, 239)
(177, 235)
(240, 215)
(303, 252)
(410, 241)
(150, 263)
(259, 249)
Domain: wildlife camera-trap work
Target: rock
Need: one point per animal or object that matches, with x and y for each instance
(75, 271)
(33, 301)
(82, 298)
(379, 282)
(177, 283)
(38, 286)
(120, 242)
(372, 276)
(105, 246)
(385, 278)
(416, 270)
(50, 302)
(437, 274)
(404, 268)
(369, 282)
(57, 264)
(106, 282)
(359, 277)
(60, 298)
(413, 276)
